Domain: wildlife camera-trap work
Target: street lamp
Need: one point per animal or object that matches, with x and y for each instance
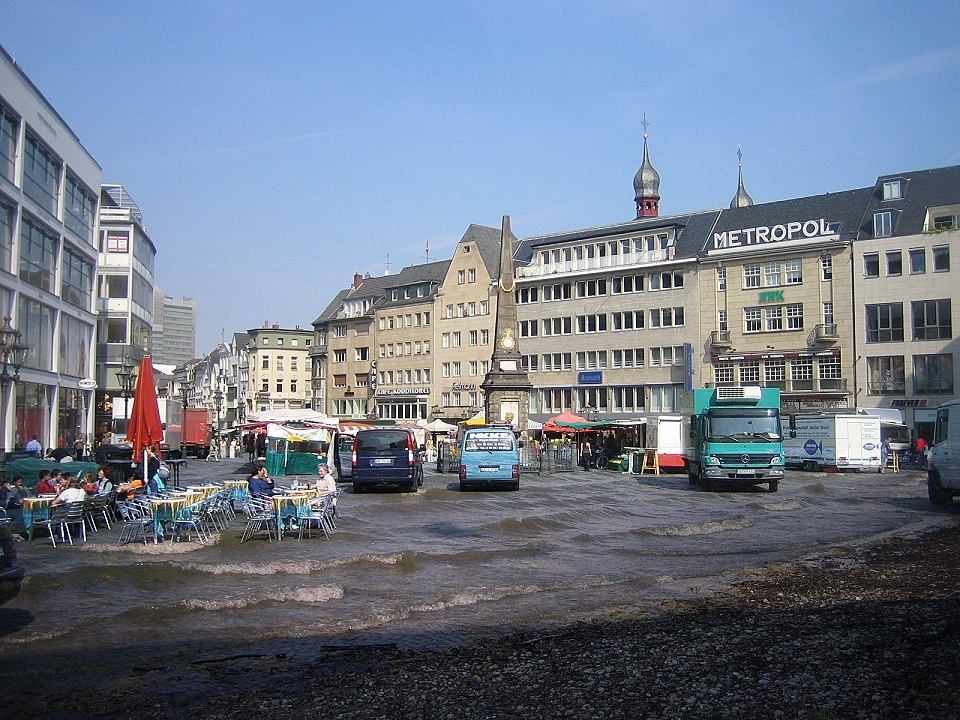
(13, 353)
(218, 404)
(184, 395)
(127, 378)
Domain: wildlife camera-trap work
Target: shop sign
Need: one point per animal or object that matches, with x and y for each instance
(746, 237)
(913, 402)
(771, 296)
(464, 386)
(590, 378)
(381, 392)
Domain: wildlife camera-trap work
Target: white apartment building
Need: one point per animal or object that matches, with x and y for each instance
(49, 198)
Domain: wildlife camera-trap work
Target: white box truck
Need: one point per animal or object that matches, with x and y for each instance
(943, 468)
(844, 441)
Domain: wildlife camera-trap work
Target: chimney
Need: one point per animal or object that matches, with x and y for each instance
(357, 280)
(276, 326)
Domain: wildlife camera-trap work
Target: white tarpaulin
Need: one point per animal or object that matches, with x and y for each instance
(288, 416)
(297, 434)
(439, 426)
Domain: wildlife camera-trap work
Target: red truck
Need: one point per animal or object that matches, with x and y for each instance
(196, 432)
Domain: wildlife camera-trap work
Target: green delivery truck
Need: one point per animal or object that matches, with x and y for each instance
(735, 436)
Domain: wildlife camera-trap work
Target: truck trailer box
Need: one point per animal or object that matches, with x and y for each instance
(842, 441)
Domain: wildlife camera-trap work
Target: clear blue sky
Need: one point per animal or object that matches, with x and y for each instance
(277, 148)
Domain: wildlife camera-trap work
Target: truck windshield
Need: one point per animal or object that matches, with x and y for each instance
(743, 426)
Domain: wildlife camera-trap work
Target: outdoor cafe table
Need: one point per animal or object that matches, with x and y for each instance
(290, 503)
(165, 510)
(240, 488)
(174, 466)
(205, 490)
(36, 508)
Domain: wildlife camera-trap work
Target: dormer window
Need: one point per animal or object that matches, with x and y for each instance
(892, 190)
(883, 224)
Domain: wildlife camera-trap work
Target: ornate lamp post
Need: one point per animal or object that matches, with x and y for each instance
(185, 395)
(128, 379)
(13, 353)
(218, 405)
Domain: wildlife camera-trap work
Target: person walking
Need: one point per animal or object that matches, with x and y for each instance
(884, 453)
(586, 454)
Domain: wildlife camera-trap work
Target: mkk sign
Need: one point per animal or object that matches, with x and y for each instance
(771, 296)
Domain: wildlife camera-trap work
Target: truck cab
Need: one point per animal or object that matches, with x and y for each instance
(735, 436)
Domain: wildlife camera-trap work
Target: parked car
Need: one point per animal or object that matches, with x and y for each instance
(342, 450)
(386, 458)
(11, 571)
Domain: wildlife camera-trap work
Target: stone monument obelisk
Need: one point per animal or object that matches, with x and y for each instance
(506, 386)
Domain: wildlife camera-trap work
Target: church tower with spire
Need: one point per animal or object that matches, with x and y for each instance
(742, 198)
(646, 184)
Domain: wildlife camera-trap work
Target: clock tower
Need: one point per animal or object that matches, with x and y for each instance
(506, 387)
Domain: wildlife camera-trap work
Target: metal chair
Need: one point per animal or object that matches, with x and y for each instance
(260, 517)
(319, 515)
(56, 521)
(137, 524)
(190, 520)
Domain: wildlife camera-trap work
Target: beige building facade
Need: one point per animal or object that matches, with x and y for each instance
(279, 369)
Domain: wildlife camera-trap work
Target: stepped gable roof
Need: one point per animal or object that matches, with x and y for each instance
(921, 189)
(842, 208)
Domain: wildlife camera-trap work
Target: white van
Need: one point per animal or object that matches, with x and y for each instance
(943, 469)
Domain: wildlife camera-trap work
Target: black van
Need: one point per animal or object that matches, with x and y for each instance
(386, 458)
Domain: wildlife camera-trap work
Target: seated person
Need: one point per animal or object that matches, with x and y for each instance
(325, 483)
(14, 507)
(259, 484)
(89, 484)
(45, 486)
(72, 492)
(104, 483)
(133, 488)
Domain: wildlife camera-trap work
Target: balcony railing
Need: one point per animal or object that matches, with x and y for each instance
(720, 338)
(317, 350)
(646, 257)
(826, 332)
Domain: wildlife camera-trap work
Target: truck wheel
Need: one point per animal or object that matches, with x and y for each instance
(773, 486)
(937, 493)
(705, 483)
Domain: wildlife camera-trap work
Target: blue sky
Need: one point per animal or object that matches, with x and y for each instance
(277, 148)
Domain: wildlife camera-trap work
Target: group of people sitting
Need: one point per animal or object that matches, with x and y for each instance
(65, 487)
(261, 485)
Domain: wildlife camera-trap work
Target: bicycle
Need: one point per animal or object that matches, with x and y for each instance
(601, 460)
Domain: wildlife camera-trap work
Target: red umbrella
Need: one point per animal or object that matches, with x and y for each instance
(145, 427)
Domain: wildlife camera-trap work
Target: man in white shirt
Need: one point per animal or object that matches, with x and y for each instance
(34, 447)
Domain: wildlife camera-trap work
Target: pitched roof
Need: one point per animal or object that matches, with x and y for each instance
(921, 189)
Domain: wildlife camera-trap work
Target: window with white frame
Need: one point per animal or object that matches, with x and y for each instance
(828, 312)
(794, 316)
(484, 337)
(774, 318)
(722, 320)
(892, 190)
(445, 370)
(721, 279)
(771, 274)
(793, 270)
(750, 372)
(751, 275)
(774, 373)
(883, 224)
(826, 267)
(723, 373)
(752, 318)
